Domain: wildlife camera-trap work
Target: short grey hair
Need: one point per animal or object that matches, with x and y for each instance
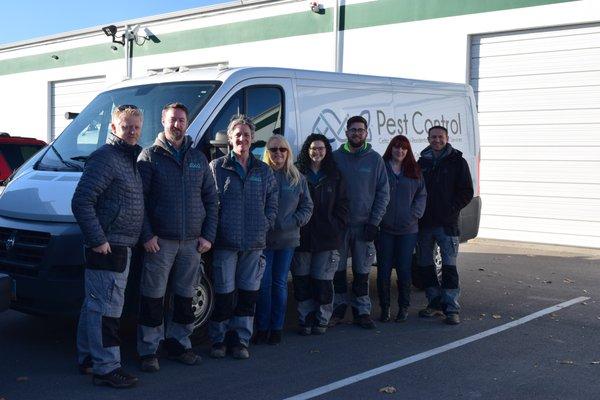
(240, 119)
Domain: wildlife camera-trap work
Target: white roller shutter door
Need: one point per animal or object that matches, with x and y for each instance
(538, 95)
(71, 95)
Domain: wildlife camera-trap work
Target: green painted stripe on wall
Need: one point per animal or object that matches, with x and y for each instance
(382, 12)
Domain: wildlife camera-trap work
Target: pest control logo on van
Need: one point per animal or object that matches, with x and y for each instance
(334, 127)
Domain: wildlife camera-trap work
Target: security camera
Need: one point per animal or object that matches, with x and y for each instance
(316, 7)
(109, 30)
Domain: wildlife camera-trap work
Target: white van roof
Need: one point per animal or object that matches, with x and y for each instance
(242, 73)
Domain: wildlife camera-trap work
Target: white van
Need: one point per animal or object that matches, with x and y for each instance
(40, 242)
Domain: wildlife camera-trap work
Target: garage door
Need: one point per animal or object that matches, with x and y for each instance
(538, 95)
(71, 95)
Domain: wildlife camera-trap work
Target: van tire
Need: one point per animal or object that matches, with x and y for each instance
(203, 304)
(437, 261)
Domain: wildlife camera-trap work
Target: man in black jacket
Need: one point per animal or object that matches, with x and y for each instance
(449, 189)
(180, 224)
(108, 205)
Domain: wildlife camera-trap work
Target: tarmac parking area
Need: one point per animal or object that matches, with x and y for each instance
(513, 343)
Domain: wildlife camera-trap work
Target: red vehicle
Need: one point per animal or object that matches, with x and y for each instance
(14, 151)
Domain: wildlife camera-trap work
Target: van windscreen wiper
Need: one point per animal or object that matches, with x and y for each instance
(80, 158)
(67, 163)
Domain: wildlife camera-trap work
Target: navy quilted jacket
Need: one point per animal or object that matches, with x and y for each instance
(247, 206)
(108, 202)
(181, 198)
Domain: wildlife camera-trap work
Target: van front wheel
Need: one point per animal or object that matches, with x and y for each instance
(203, 303)
(437, 261)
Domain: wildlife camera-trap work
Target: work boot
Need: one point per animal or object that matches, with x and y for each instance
(402, 315)
(304, 330)
(365, 321)
(240, 352)
(338, 316)
(319, 329)
(188, 357)
(116, 378)
(218, 350)
(452, 319)
(149, 364)
(429, 312)
(385, 314)
(275, 337)
(85, 368)
(260, 337)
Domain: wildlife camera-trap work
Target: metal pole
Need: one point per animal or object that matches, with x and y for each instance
(127, 47)
(336, 33)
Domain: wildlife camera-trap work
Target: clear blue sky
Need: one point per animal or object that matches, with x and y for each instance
(29, 19)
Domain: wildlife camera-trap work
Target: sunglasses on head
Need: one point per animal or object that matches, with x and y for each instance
(124, 107)
(280, 149)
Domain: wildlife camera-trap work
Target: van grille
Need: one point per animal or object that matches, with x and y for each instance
(22, 251)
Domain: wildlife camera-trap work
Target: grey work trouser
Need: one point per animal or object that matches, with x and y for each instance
(98, 328)
(180, 260)
(363, 256)
(313, 284)
(236, 279)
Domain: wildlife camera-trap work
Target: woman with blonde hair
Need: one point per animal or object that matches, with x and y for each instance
(295, 209)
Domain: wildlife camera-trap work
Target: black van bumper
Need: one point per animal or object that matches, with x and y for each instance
(5, 284)
(45, 263)
(469, 220)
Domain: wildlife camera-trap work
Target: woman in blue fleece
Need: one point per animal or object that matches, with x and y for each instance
(400, 225)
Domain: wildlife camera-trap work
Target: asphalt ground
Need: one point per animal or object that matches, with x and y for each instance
(555, 356)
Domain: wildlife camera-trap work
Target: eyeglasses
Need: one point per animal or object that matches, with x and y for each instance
(280, 149)
(124, 107)
(357, 130)
(317, 148)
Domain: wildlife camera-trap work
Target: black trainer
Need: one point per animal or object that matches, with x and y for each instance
(85, 368)
(275, 337)
(116, 378)
(365, 321)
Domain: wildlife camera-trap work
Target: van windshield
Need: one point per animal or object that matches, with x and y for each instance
(91, 128)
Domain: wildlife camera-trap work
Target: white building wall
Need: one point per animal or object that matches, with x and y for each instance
(434, 49)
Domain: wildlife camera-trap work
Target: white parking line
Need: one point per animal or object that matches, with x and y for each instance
(430, 353)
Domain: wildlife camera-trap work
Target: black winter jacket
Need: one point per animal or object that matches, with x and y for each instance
(325, 229)
(108, 202)
(449, 188)
(180, 197)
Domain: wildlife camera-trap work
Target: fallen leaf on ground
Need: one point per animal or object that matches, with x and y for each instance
(496, 316)
(553, 315)
(388, 389)
(593, 363)
(567, 280)
(482, 315)
(315, 351)
(481, 269)
(567, 362)
(477, 281)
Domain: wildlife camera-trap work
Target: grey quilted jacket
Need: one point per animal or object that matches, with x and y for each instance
(181, 198)
(247, 206)
(108, 202)
(294, 210)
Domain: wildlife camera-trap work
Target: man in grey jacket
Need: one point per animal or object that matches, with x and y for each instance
(180, 224)
(248, 198)
(364, 172)
(108, 205)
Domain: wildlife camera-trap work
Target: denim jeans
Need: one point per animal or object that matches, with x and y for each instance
(444, 296)
(272, 297)
(394, 251)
